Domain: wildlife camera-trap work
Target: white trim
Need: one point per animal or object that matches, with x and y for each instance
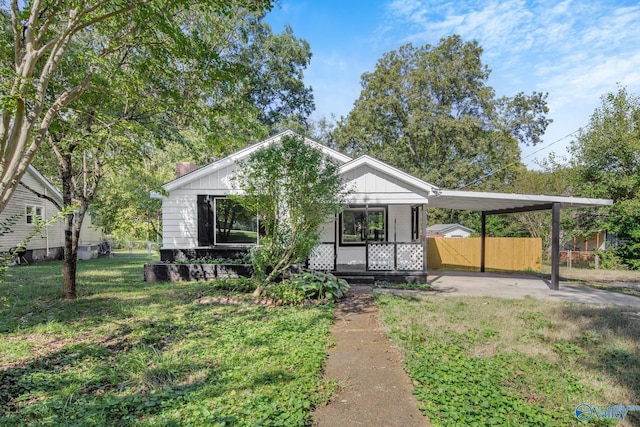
(38, 176)
(389, 170)
(246, 152)
(486, 201)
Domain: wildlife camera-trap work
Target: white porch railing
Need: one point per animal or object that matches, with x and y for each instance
(323, 257)
(379, 256)
(389, 256)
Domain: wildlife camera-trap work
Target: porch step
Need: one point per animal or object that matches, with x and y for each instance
(359, 280)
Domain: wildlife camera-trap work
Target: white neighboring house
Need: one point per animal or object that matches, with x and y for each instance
(25, 205)
(449, 230)
(381, 233)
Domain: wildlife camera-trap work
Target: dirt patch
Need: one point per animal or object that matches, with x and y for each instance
(373, 389)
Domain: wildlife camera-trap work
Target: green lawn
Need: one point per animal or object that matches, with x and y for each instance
(134, 353)
(487, 361)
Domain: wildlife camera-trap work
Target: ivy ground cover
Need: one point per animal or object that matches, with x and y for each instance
(128, 352)
(488, 361)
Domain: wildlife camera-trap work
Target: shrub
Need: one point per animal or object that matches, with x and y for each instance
(320, 285)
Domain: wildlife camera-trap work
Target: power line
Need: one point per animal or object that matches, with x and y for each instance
(482, 178)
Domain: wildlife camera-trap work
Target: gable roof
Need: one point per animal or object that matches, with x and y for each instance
(389, 170)
(424, 192)
(392, 176)
(444, 228)
(245, 153)
(55, 193)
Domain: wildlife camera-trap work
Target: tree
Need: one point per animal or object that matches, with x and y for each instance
(137, 101)
(293, 188)
(428, 110)
(40, 34)
(268, 94)
(606, 163)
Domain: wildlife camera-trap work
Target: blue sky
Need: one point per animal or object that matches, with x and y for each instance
(575, 50)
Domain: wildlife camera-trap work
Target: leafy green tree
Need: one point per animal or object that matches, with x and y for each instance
(266, 93)
(293, 188)
(139, 99)
(428, 110)
(606, 163)
(37, 36)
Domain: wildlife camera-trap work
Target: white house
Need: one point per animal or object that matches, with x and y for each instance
(381, 231)
(448, 230)
(25, 205)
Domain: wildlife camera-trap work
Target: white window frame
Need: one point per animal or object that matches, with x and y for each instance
(33, 211)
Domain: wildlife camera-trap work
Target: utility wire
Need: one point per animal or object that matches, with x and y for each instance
(483, 177)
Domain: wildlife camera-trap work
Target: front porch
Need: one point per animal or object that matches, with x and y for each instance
(396, 262)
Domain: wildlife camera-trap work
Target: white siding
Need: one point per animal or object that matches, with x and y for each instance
(399, 223)
(375, 187)
(348, 255)
(51, 237)
(458, 232)
(217, 182)
(180, 220)
(328, 232)
(89, 233)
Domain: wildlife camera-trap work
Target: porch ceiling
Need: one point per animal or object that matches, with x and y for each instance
(496, 202)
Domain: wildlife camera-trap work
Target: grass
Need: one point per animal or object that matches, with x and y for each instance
(487, 361)
(128, 352)
(622, 281)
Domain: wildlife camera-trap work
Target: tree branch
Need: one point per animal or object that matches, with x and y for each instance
(41, 195)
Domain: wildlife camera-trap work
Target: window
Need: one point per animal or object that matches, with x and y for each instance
(224, 221)
(361, 225)
(234, 224)
(33, 212)
(416, 223)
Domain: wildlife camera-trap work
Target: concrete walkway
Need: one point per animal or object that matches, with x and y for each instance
(518, 286)
(373, 388)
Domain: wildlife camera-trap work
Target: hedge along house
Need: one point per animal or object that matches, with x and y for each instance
(380, 234)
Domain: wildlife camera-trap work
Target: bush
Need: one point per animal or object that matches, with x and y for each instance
(320, 285)
(610, 260)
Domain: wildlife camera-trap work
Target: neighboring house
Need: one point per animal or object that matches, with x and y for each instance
(449, 230)
(599, 240)
(25, 205)
(381, 231)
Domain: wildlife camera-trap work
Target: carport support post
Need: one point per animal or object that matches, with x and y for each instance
(555, 246)
(424, 236)
(483, 232)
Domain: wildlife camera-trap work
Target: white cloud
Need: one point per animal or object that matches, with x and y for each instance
(577, 50)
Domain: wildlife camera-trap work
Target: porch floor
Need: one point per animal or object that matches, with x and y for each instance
(362, 277)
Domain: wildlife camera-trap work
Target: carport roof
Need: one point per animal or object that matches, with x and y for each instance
(507, 203)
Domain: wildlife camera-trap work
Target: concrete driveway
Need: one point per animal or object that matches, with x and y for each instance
(514, 286)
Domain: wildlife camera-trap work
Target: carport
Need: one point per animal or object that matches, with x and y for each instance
(505, 203)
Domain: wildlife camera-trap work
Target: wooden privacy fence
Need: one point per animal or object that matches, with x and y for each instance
(501, 253)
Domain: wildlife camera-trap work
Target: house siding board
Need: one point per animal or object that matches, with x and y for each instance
(328, 231)
(400, 223)
(52, 237)
(375, 187)
(217, 182)
(180, 220)
(351, 256)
